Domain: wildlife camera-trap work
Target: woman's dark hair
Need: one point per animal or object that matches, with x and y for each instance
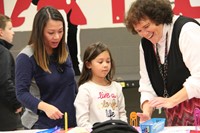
(37, 37)
(158, 11)
(91, 52)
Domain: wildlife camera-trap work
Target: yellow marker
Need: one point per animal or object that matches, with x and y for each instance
(66, 122)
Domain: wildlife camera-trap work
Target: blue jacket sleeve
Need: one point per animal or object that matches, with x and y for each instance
(24, 75)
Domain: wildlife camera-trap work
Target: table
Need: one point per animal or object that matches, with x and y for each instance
(173, 129)
(177, 129)
(72, 130)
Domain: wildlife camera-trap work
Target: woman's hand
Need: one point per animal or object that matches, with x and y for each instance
(51, 111)
(170, 102)
(143, 117)
(147, 112)
(161, 102)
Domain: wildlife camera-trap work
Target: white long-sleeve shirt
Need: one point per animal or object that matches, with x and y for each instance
(96, 103)
(189, 43)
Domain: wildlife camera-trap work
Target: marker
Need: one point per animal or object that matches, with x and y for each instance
(66, 122)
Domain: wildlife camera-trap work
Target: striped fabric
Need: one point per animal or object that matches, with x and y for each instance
(182, 114)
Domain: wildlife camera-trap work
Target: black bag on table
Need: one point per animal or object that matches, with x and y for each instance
(113, 126)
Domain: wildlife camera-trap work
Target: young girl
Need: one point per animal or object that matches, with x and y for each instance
(99, 98)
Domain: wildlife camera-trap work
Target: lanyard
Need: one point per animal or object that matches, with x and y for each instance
(163, 67)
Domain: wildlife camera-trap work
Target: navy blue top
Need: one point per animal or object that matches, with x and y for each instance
(56, 88)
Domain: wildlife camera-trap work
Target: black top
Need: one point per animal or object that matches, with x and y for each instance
(8, 102)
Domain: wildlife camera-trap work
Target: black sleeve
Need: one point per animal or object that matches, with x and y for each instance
(7, 85)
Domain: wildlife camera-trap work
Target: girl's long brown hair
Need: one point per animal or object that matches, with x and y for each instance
(91, 52)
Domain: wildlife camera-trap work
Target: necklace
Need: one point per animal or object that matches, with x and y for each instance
(163, 67)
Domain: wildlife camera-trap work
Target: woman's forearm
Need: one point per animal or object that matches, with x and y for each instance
(179, 97)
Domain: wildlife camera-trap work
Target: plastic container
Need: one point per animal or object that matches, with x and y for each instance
(153, 125)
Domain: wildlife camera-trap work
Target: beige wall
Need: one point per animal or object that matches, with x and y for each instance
(123, 45)
(125, 50)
